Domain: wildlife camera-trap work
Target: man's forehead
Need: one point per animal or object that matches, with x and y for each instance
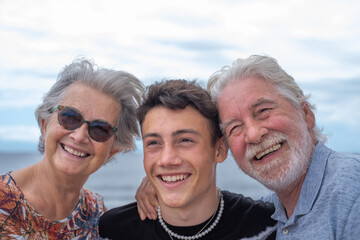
(234, 115)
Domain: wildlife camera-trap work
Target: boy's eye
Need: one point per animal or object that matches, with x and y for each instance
(185, 141)
(151, 143)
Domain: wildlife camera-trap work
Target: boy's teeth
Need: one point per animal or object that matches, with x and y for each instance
(174, 178)
(73, 152)
(269, 150)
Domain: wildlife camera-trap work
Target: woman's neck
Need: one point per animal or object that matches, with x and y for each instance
(54, 197)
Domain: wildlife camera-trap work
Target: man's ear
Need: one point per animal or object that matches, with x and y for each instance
(309, 116)
(221, 150)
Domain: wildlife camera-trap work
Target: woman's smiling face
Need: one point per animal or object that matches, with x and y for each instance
(74, 152)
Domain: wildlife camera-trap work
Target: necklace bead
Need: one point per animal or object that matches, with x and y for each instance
(202, 232)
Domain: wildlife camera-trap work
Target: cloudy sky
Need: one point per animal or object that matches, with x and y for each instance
(315, 41)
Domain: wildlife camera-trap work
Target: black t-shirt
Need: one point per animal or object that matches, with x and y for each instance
(242, 218)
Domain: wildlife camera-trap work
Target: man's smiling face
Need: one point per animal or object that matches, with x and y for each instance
(269, 138)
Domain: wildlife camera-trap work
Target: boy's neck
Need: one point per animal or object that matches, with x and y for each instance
(193, 214)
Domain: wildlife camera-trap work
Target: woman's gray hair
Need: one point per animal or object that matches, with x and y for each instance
(123, 87)
(266, 68)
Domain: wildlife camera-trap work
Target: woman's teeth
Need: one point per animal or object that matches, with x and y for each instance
(73, 152)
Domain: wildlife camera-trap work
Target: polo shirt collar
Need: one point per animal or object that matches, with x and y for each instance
(310, 188)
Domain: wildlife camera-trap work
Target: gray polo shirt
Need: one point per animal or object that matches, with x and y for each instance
(329, 202)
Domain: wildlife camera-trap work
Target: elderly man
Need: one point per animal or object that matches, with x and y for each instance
(270, 128)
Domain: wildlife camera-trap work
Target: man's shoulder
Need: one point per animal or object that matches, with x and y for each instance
(340, 184)
(241, 202)
(343, 188)
(336, 205)
(340, 168)
(344, 169)
(338, 158)
(347, 159)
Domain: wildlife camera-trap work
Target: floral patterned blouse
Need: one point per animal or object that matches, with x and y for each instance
(18, 219)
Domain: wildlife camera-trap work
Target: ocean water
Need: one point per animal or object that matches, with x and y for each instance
(117, 181)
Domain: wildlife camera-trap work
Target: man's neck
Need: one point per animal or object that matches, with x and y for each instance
(290, 196)
(192, 214)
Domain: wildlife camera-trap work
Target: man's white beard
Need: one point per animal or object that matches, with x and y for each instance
(283, 173)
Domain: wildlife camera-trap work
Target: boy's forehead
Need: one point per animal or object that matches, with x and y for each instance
(187, 120)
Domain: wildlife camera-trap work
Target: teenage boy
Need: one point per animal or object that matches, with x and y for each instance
(182, 145)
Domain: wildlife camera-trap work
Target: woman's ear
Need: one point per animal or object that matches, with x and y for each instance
(221, 150)
(43, 129)
(115, 149)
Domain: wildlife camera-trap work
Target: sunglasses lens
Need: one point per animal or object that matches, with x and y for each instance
(100, 131)
(69, 118)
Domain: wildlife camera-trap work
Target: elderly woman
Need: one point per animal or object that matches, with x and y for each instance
(85, 118)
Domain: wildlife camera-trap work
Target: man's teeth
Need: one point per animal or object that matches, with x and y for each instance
(73, 152)
(269, 150)
(174, 178)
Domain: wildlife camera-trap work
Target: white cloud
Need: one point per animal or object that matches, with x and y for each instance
(49, 34)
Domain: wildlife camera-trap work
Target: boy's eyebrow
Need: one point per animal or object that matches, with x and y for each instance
(178, 132)
(150, 135)
(187, 130)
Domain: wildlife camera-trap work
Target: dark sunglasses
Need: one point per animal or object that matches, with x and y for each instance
(70, 119)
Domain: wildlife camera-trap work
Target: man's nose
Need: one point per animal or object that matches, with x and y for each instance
(255, 132)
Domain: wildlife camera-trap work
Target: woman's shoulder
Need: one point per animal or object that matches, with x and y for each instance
(12, 210)
(92, 196)
(92, 201)
(6, 179)
(8, 188)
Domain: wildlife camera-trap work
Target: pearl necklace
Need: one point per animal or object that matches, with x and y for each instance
(201, 233)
